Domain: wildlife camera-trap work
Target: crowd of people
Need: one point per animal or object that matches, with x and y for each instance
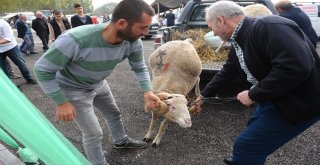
(46, 29)
(72, 71)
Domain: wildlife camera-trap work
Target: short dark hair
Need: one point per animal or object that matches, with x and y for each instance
(131, 11)
(76, 5)
(56, 12)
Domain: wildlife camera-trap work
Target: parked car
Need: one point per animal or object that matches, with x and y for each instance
(193, 17)
(47, 13)
(11, 18)
(153, 28)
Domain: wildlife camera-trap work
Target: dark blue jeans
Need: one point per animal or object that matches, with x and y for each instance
(267, 130)
(16, 57)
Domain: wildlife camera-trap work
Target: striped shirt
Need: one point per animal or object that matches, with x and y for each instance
(81, 58)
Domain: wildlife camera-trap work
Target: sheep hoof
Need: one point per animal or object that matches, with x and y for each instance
(147, 140)
(155, 145)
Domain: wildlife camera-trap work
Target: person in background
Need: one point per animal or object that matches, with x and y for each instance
(80, 18)
(286, 9)
(25, 33)
(72, 73)
(57, 25)
(106, 18)
(170, 17)
(40, 25)
(268, 52)
(9, 48)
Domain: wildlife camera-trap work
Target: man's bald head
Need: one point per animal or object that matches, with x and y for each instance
(283, 5)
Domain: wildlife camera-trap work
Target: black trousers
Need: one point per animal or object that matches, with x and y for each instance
(44, 37)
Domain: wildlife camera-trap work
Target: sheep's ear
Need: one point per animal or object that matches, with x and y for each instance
(163, 108)
(163, 95)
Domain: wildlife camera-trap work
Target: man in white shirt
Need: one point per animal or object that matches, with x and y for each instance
(9, 48)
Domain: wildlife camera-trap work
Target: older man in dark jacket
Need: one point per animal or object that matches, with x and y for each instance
(287, 10)
(282, 65)
(40, 25)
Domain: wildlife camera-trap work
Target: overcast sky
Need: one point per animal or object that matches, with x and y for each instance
(98, 3)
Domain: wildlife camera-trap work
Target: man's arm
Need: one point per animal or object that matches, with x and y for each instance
(51, 62)
(51, 33)
(3, 41)
(45, 71)
(224, 77)
(89, 19)
(290, 62)
(73, 21)
(6, 32)
(33, 25)
(138, 65)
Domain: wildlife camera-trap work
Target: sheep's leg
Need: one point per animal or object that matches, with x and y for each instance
(197, 88)
(162, 129)
(152, 126)
(220, 46)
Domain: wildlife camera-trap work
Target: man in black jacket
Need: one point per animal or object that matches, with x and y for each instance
(286, 9)
(80, 18)
(285, 78)
(40, 25)
(58, 25)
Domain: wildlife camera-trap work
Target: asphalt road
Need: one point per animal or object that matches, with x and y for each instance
(208, 141)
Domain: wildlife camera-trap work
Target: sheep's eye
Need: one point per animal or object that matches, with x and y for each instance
(170, 97)
(173, 108)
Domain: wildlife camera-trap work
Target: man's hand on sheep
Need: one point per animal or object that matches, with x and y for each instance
(244, 98)
(151, 101)
(65, 112)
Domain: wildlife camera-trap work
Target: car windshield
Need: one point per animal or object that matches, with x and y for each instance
(31, 17)
(47, 13)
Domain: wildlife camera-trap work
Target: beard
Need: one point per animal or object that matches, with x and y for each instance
(126, 34)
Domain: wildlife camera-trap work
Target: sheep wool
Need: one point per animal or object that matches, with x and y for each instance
(176, 67)
(256, 10)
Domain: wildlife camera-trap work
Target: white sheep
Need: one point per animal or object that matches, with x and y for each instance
(175, 67)
(255, 10)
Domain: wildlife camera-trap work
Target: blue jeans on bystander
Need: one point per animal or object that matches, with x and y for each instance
(16, 57)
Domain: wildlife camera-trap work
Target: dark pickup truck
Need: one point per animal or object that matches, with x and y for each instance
(193, 16)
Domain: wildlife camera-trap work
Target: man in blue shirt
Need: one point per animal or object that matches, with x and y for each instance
(170, 18)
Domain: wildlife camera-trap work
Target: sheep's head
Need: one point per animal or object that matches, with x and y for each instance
(174, 107)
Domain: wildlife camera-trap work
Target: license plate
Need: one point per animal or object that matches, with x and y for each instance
(154, 27)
